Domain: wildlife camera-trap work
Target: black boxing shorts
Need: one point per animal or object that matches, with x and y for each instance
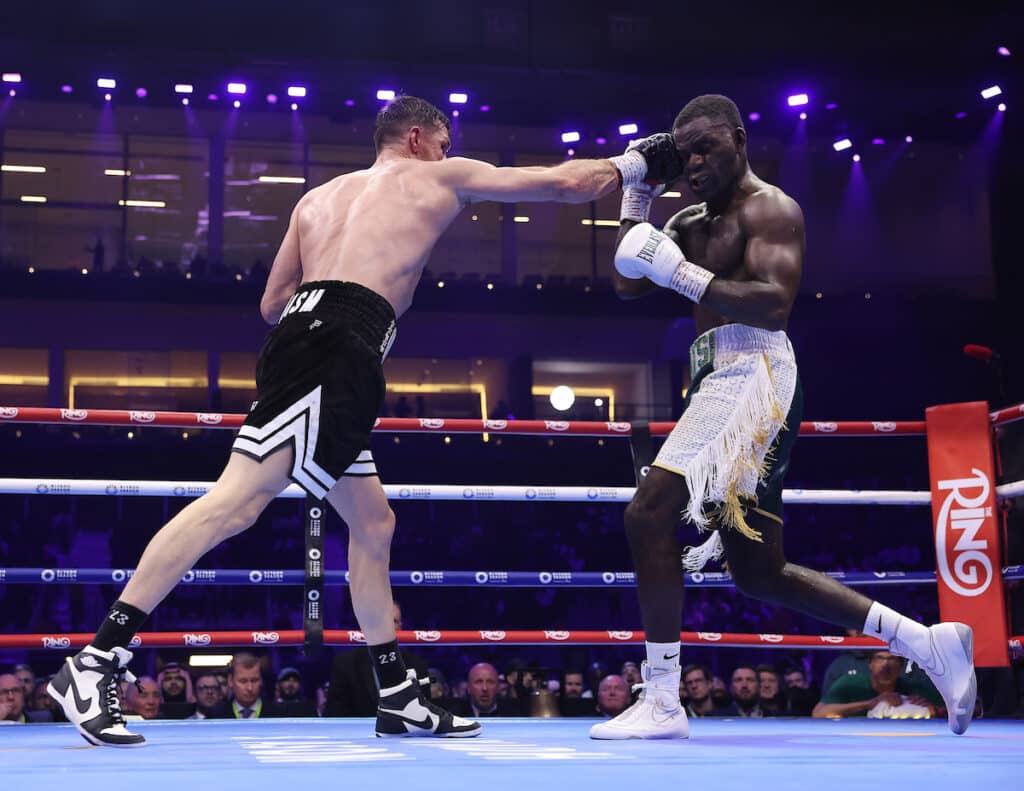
(320, 383)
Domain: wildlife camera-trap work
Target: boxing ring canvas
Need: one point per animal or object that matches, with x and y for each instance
(842, 755)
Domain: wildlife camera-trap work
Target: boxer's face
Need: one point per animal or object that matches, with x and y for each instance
(711, 151)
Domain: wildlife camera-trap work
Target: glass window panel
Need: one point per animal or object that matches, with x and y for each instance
(173, 380)
(24, 376)
(57, 237)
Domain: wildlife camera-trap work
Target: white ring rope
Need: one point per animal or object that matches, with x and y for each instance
(563, 494)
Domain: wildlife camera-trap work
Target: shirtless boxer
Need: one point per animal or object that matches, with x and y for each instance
(346, 271)
(723, 465)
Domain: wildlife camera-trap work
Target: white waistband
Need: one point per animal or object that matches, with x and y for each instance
(743, 338)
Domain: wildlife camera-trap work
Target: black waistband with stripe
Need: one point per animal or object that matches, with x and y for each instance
(368, 314)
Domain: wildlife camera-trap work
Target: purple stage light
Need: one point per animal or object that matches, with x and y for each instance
(842, 144)
(1004, 51)
(66, 89)
(485, 108)
(106, 82)
(570, 137)
(628, 129)
(141, 93)
(350, 102)
(237, 88)
(294, 106)
(601, 141)
(106, 97)
(803, 116)
(271, 98)
(11, 76)
(455, 113)
(212, 97)
(458, 98)
(831, 106)
(960, 115)
(183, 87)
(12, 93)
(798, 100)
(754, 116)
(237, 104)
(1002, 107)
(988, 93)
(385, 94)
(856, 157)
(185, 101)
(571, 152)
(908, 139)
(297, 91)
(878, 141)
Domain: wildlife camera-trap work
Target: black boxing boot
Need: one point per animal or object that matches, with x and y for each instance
(403, 711)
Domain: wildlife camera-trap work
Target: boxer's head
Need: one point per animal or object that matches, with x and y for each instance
(414, 127)
(712, 142)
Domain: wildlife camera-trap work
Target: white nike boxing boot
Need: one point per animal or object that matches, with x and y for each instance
(656, 713)
(944, 651)
(87, 688)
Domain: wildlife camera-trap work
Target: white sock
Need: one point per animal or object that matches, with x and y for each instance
(663, 656)
(905, 637)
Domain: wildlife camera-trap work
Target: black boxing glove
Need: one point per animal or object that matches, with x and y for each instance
(653, 159)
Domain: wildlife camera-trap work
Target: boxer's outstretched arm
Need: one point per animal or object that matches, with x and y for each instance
(576, 181)
(774, 227)
(285, 275)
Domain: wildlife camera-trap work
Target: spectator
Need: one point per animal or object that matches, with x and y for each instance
(631, 673)
(208, 696)
(746, 692)
(41, 702)
(771, 698)
(353, 690)
(245, 682)
(483, 700)
(438, 686)
(613, 696)
(571, 702)
(883, 693)
(27, 677)
(321, 698)
(848, 662)
(12, 702)
(288, 694)
(177, 700)
(720, 693)
(697, 679)
(801, 697)
(143, 698)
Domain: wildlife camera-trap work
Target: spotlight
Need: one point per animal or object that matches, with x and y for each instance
(1004, 51)
(106, 82)
(183, 87)
(271, 98)
(960, 115)
(1002, 107)
(754, 116)
(212, 97)
(12, 76)
(458, 98)
(12, 92)
(141, 93)
(455, 113)
(571, 152)
(66, 89)
(570, 137)
(601, 141)
(238, 88)
(878, 141)
(988, 93)
(843, 144)
(350, 102)
(803, 116)
(856, 157)
(297, 91)
(385, 94)
(628, 129)
(237, 104)
(798, 100)
(908, 139)
(485, 108)
(106, 97)
(562, 398)
(598, 402)
(294, 106)
(831, 106)
(185, 101)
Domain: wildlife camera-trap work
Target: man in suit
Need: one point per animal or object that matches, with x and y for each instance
(245, 683)
(12, 703)
(483, 700)
(353, 690)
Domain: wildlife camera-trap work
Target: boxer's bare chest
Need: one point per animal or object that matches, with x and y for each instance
(718, 244)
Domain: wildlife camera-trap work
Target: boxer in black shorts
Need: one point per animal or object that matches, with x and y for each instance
(345, 273)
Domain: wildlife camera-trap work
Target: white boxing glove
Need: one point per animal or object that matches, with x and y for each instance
(646, 252)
